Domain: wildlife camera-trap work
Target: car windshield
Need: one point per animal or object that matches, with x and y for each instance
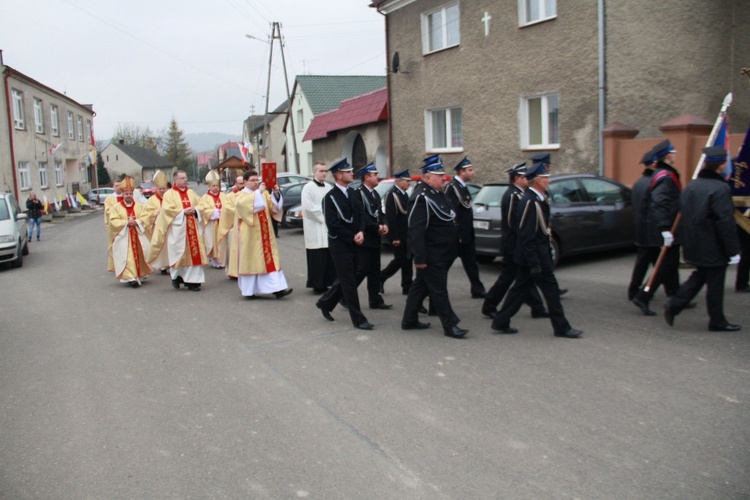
(491, 195)
(4, 213)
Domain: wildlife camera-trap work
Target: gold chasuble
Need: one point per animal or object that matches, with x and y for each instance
(253, 249)
(213, 239)
(178, 234)
(152, 209)
(128, 245)
(109, 202)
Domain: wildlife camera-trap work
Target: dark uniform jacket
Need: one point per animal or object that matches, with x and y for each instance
(369, 206)
(433, 234)
(396, 214)
(342, 220)
(533, 247)
(460, 199)
(509, 220)
(709, 231)
(664, 199)
(645, 233)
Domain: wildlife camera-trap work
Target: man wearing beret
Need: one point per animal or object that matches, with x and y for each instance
(460, 199)
(710, 240)
(534, 256)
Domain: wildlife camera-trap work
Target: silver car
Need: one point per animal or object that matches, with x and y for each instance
(13, 231)
(98, 195)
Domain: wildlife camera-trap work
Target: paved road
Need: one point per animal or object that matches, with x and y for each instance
(111, 392)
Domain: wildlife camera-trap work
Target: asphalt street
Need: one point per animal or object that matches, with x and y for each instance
(113, 392)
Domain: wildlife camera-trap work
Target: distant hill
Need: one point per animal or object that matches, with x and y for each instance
(208, 141)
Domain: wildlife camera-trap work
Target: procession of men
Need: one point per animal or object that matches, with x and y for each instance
(429, 228)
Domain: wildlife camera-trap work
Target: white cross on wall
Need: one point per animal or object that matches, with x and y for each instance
(486, 21)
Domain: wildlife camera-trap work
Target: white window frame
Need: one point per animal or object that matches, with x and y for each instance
(449, 124)
(54, 118)
(58, 173)
(71, 127)
(524, 122)
(84, 170)
(443, 29)
(547, 10)
(39, 115)
(43, 175)
(88, 131)
(24, 177)
(18, 113)
(79, 124)
(300, 120)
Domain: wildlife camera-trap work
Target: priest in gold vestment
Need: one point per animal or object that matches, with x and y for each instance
(153, 209)
(213, 204)
(128, 242)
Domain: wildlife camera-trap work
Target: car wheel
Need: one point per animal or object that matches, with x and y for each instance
(25, 250)
(485, 259)
(554, 246)
(19, 261)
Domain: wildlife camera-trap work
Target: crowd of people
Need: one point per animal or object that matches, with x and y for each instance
(178, 233)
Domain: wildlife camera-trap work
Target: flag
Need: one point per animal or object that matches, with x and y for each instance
(740, 179)
(92, 157)
(57, 203)
(722, 139)
(55, 148)
(93, 141)
(81, 199)
(46, 204)
(243, 151)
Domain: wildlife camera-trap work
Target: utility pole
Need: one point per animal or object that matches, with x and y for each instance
(276, 35)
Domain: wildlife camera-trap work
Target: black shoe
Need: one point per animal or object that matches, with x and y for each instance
(365, 326)
(325, 312)
(669, 314)
(134, 284)
(745, 289)
(489, 313)
(478, 295)
(729, 327)
(509, 330)
(643, 306)
(570, 333)
(381, 306)
(283, 293)
(414, 326)
(539, 314)
(177, 282)
(164, 271)
(193, 287)
(455, 332)
(422, 310)
(563, 291)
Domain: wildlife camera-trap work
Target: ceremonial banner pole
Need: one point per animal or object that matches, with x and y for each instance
(710, 142)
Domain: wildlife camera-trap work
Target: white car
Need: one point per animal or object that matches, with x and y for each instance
(13, 231)
(98, 195)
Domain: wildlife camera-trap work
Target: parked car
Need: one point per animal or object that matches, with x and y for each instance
(98, 195)
(284, 178)
(148, 189)
(589, 213)
(293, 217)
(292, 194)
(13, 231)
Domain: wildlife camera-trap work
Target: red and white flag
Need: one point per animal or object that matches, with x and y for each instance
(55, 148)
(93, 141)
(243, 151)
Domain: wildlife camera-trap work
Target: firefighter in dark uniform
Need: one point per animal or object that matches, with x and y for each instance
(663, 200)
(508, 227)
(433, 242)
(710, 239)
(343, 221)
(534, 256)
(645, 235)
(396, 218)
(460, 199)
(373, 227)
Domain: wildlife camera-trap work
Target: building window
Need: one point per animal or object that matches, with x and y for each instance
(84, 173)
(300, 120)
(43, 174)
(24, 179)
(58, 173)
(88, 131)
(444, 130)
(540, 127)
(18, 115)
(54, 120)
(534, 11)
(80, 128)
(38, 116)
(71, 130)
(441, 28)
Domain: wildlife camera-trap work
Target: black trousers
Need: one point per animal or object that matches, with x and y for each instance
(432, 281)
(345, 286)
(713, 278)
(497, 291)
(368, 266)
(646, 257)
(468, 255)
(547, 283)
(667, 275)
(743, 268)
(400, 262)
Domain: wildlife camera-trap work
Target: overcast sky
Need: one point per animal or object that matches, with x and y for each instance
(143, 62)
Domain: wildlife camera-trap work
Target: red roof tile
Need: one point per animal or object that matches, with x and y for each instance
(367, 108)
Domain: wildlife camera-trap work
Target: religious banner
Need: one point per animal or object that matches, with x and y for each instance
(740, 184)
(268, 174)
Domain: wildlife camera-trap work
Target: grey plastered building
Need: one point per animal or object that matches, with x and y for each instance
(499, 81)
